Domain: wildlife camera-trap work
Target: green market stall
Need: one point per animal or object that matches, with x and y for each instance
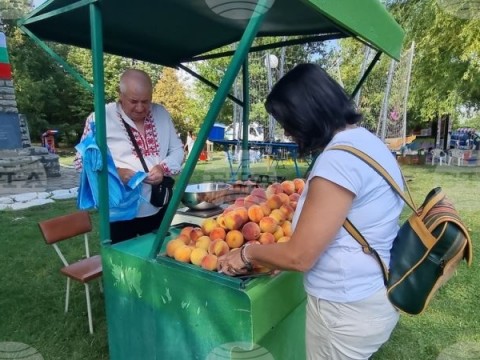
(158, 308)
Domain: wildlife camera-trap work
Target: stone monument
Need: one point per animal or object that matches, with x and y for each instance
(23, 168)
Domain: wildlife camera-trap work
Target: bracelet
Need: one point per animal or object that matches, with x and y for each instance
(243, 255)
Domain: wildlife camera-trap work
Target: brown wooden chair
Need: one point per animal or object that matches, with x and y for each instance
(65, 228)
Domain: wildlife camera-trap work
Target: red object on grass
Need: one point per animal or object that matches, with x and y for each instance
(5, 71)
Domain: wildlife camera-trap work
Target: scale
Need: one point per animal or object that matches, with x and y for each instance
(201, 213)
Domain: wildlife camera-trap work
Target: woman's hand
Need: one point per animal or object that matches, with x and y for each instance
(155, 176)
(125, 174)
(232, 263)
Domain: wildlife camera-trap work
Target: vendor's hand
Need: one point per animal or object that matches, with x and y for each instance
(125, 174)
(231, 263)
(155, 176)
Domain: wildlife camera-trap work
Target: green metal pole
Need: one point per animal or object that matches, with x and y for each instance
(246, 121)
(99, 101)
(220, 96)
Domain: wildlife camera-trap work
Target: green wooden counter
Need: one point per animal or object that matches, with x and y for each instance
(163, 309)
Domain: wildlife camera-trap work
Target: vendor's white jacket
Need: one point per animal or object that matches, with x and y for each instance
(161, 145)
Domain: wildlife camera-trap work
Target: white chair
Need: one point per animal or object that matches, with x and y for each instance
(457, 154)
(438, 155)
(89, 268)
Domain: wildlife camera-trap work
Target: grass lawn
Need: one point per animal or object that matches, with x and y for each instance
(32, 291)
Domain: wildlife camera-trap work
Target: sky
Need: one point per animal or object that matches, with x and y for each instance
(38, 2)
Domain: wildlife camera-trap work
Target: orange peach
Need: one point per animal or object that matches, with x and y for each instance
(272, 189)
(186, 231)
(299, 185)
(196, 233)
(217, 234)
(278, 233)
(252, 200)
(240, 201)
(243, 212)
(265, 208)
(234, 239)
(288, 187)
(294, 197)
(259, 193)
(221, 221)
(288, 211)
(233, 220)
(268, 224)
(255, 213)
(209, 262)
(274, 202)
(293, 204)
(197, 256)
(278, 215)
(251, 231)
(208, 225)
(283, 239)
(218, 247)
(203, 242)
(284, 197)
(174, 245)
(266, 238)
(287, 228)
(186, 239)
(182, 253)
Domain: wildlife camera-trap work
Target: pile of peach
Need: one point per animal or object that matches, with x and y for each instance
(262, 217)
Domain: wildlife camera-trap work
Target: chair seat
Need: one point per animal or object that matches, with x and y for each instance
(85, 269)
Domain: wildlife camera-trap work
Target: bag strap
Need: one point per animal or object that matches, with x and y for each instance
(135, 145)
(350, 228)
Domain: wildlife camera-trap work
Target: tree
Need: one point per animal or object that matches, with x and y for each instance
(171, 93)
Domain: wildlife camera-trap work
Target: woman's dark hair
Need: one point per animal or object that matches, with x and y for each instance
(310, 106)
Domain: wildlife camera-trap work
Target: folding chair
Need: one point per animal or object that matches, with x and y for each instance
(64, 228)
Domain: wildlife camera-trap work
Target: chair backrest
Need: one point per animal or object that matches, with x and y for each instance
(66, 227)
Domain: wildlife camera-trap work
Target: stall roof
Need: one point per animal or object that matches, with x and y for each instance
(170, 32)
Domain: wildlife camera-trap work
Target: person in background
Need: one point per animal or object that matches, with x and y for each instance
(156, 136)
(348, 314)
(190, 142)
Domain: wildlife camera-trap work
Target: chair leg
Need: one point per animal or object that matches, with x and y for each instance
(67, 295)
(89, 309)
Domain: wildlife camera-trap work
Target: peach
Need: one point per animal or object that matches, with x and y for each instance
(196, 233)
(234, 239)
(208, 225)
(252, 200)
(197, 256)
(278, 233)
(265, 208)
(209, 262)
(274, 202)
(288, 187)
(186, 239)
(259, 193)
(272, 189)
(243, 212)
(284, 197)
(255, 213)
(233, 221)
(278, 215)
(203, 242)
(293, 204)
(186, 231)
(221, 221)
(266, 238)
(182, 253)
(299, 185)
(251, 231)
(218, 247)
(217, 234)
(174, 245)
(294, 197)
(268, 224)
(240, 201)
(287, 228)
(283, 239)
(288, 211)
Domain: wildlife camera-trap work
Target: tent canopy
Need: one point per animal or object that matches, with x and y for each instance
(169, 32)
